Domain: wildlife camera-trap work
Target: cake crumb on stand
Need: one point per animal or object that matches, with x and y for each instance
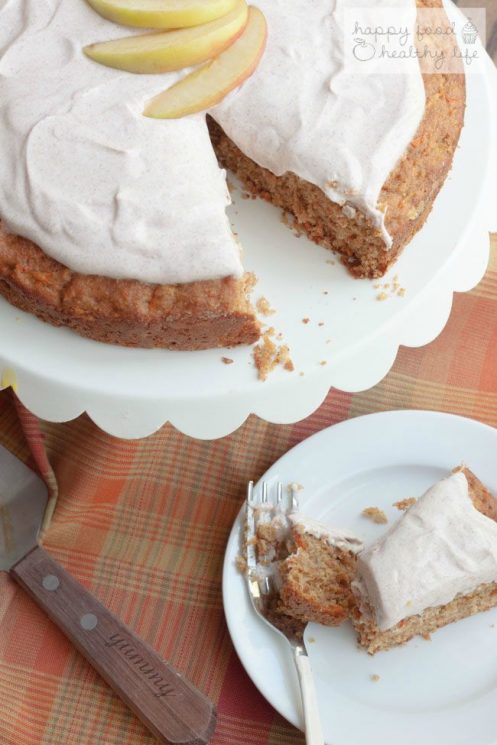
(375, 677)
(375, 515)
(227, 360)
(268, 355)
(389, 289)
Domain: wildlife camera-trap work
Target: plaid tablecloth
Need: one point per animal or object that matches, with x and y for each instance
(144, 525)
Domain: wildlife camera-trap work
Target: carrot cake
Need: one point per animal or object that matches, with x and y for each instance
(312, 567)
(115, 225)
(436, 565)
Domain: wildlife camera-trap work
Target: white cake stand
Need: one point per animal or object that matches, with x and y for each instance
(132, 392)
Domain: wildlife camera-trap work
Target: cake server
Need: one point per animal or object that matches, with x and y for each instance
(167, 704)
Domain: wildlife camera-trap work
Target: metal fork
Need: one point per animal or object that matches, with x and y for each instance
(262, 591)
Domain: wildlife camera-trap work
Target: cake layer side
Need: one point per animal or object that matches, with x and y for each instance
(196, 315)
(316, 581)
(407, 196)
(482, 599)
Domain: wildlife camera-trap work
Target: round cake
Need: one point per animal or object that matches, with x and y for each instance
(115, 225)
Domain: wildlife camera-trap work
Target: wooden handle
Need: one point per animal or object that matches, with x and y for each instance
(313, 731)
(167, 704)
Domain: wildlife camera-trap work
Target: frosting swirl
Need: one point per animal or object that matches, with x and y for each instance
(84, 175)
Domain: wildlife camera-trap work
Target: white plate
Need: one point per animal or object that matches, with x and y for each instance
(431, 692)
(132, 392)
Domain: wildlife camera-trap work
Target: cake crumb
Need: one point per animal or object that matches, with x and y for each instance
(426, 637)
(331, 262)
(375, 677)
(323, 362)
(264, 307)
(375, 514)
(267, 356)
(401, 292)
(241, 564)
(382, 296)
(311, 640)
(306, 320)
(301, 374)
(404, 504)
(227, 360)
(321, 323)
(325, 292)
(293, 487)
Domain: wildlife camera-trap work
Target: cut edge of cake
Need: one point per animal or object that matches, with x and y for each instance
(313, 566)
(316, 580)
(406, 198)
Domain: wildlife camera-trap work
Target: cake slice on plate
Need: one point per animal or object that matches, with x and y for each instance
(436, 565)
(313, 566)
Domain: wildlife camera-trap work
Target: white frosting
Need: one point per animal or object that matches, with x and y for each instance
(441, 547)
(107, 191)
(302, 112)
(334, 536)
(83, 174)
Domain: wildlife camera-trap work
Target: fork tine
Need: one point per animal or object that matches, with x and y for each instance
(251, 556)
(294, 499)
(264, 492)
(279, 494)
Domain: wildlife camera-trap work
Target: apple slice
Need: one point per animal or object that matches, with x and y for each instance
(162, 13)
(209, 84)
(172, 50)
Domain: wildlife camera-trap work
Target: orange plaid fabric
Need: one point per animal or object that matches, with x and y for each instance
(144, 525)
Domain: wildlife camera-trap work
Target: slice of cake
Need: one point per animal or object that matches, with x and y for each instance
(436, 565)
(312, 567)
(316, 576)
